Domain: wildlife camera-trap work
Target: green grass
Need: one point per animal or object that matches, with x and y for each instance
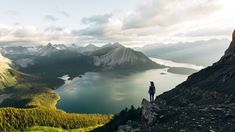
(36, 107)
(54, 129)
(40, 110)
(7, 79)
(12, 119)
(32, 106)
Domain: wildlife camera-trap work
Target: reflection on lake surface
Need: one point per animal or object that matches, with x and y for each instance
(110, 93)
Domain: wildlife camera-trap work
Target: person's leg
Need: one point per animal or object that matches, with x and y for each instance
(151, 97)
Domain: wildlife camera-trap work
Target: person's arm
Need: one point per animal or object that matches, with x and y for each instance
(149, 89)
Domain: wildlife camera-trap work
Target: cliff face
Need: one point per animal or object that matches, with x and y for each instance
(229, 57)
(204, 102)
(212, 85)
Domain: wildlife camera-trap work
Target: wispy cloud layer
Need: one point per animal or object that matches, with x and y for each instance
(151, 21)
(50, 18)
(63, 13)
(31, 34)
(165, 13)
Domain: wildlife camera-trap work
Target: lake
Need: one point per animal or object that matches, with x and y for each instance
(106, 92)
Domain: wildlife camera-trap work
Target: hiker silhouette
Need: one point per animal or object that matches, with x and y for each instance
(151, 91)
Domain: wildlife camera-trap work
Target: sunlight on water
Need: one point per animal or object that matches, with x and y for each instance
(110, 93)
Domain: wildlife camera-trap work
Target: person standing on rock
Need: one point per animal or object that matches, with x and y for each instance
(151, 91)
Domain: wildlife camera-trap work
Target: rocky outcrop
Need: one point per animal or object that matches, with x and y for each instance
(233, 36)
(130, 126)
(125, 128)
(229, 56)
(204, 102)
(220, 117)
(149, 111)
(212, 85)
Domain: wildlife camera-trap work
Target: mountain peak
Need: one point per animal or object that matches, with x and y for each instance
(91, 46)
(233, 36)
(117, 44)
(229, 56)
(113, 45)
(49, 44)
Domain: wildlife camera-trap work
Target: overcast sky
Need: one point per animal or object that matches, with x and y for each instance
(130, 22)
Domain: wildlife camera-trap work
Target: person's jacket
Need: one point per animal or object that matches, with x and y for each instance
(151, 90)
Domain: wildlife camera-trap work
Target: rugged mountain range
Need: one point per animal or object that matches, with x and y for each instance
(204, 102)
(110, 56)
(47, 50)
(53, 61)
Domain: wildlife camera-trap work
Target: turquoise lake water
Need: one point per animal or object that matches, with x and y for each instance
(111, 92)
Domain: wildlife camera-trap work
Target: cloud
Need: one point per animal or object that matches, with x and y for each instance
(4, 31)
(94, 30)
(97, 19)
(58, 34)
(156, 21)
(168, 12)
(50, 18)
(152, 21)
(63, 13)
(55, 29)
(26, 35)
(12, 13)
(207, 32)
(99, 26)
(27, 31)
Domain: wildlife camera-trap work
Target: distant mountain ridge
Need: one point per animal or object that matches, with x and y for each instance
(53, 61)
(199, 52)
(109, 56)
(212, 85)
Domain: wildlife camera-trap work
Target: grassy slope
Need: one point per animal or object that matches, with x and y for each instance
(7, 79)
(12, 119)
(41, 111)
(54, 129)
(36, 107)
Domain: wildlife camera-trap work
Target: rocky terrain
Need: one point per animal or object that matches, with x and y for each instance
(211, 118)
(204, 102)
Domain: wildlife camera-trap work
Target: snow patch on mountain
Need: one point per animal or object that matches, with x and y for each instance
(47, 50)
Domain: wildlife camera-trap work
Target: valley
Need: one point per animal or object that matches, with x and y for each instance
(117, 66)
(111, 64)
(57, 79)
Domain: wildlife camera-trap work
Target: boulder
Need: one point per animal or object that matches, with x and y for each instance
(125, 128)
(149, 111)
